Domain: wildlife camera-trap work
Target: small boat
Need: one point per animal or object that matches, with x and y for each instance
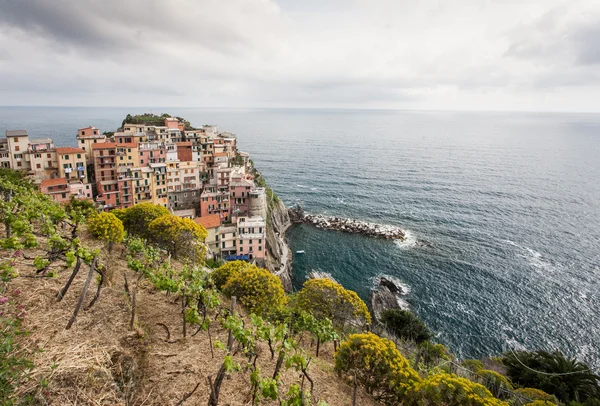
(300, 252)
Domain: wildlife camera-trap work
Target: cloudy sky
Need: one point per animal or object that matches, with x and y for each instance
(537, 55)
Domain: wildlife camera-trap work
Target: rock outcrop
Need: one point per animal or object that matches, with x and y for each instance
(385, 297)
(279, 255)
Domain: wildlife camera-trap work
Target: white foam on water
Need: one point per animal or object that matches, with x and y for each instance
(533, 257)
(402, 285)
(409, 240)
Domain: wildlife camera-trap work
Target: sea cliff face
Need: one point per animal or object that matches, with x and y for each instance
(279, 254)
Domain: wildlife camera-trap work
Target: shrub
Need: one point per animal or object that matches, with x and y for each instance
(107, 227)
(535, 394)
(257, 289)
(473, 365)
(494, 382)
(432, 353)
(406, 325)
(221, 275)
(136, 219)
(326, 298)
(566, 378)
(378, 365)
(181, 237)
(450, 390)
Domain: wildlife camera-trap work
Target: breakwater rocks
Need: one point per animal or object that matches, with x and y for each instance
(347, 225)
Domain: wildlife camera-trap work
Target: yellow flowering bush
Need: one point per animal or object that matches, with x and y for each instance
(221, 275)
(325, 298)
(181, 237)
(450, 390)
(136, 219)
(257, 289)
(534, 394)
(106, 227)
(378, 365)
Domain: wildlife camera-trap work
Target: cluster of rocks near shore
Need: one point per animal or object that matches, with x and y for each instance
(297, 215)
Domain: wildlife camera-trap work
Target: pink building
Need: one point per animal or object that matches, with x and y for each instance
(152, 153)
(215, 203)
(251, 237)
(57, 189)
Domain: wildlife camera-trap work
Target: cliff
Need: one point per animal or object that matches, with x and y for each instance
(279, 254)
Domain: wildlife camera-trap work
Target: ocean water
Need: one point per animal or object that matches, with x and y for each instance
(502, 209)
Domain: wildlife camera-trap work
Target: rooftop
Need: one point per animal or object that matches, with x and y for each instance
(69, 150)
(210, 221)
(16, 133)
(104, 145)
(53, 182)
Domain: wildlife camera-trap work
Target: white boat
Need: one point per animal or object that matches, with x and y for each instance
(300, 252)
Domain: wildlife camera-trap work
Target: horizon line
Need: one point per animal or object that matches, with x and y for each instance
(309, 108)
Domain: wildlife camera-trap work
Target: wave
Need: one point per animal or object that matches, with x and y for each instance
(533, 257)
(409, 241)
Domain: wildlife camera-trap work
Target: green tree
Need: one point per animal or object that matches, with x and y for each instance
(325, 298)
(377, 365)
(566, 378)
(258, 290)
(403, 324)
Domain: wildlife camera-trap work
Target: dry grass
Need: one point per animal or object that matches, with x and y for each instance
(99, 361)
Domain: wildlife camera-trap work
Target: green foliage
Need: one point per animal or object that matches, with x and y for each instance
(535, 395)
(325, 298)
(473, 365)
(494, 382)
(378, 365)
(181, 237)
(222, 274)
(450, 390)
(404, 324)
(258, 290)
(136, 219)
(432, 353)
(107, 227)
(14, 362)
(79, 210)
(566, 378)
(151, 119)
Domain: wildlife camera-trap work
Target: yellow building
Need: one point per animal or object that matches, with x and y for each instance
(72, 164)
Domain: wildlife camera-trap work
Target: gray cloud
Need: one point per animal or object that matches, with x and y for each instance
(381, 53)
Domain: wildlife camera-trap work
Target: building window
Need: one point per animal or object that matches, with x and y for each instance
(64, 195)
(48, 156)
(38, 166)
(17, 148)
(18, 163)
(260, 248)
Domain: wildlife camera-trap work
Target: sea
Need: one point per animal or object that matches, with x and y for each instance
(501, 210)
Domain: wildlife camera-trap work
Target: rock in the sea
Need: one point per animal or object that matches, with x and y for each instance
(382, 299)
(383, 281)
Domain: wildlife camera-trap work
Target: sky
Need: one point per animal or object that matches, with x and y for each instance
(529, 55)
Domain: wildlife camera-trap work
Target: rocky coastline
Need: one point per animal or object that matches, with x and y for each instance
(297, 215)
(279, 258)
(385, 296)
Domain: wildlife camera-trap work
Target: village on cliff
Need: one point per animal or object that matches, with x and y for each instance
(196, 173)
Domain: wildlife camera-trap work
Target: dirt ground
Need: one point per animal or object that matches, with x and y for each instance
(100, 361)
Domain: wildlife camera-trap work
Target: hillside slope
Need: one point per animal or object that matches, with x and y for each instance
(100, 361)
